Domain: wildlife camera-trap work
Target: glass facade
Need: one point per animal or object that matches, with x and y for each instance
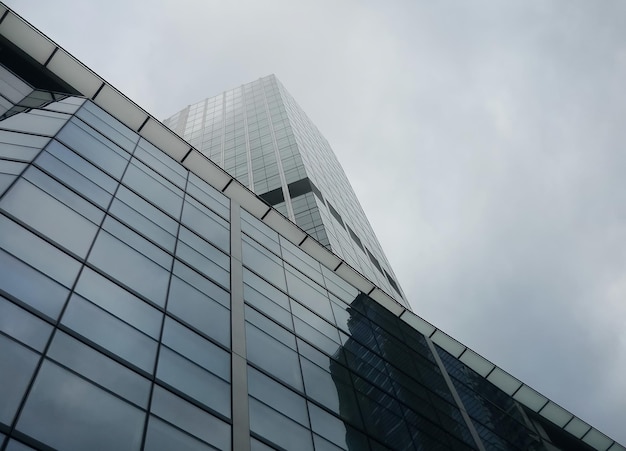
(141, 308)
(260, 136)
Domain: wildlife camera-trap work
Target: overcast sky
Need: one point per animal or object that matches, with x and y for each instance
(485, 140)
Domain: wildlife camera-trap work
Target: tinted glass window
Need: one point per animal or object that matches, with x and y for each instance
(273, 356)
(119, 302)
(37, 252)
(190, 418)
(161, 436)
(61, 401)
(50, 217)
(130, 267)
(17, 369)
(196, 348)
(99, 368)
(184, 375)
(199, 310)
(109, 332)
(277, 428)
(94, 147)
(23, 326)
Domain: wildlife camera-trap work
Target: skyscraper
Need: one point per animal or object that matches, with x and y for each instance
(149, 300)
(260, 136)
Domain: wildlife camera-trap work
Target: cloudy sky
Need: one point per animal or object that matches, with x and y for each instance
(485, 140)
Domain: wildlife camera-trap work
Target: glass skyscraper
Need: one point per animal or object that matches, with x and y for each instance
(149, 300)
(260, 136)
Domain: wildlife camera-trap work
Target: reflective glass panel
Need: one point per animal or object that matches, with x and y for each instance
(184, 375)
(273, 356)
(18, 365)
(37, 252)
(31, 286)
(99, 368)
(69, 413)
(199, 310)
(277, 428)
(130, 267)
(23, 326)
(190, 418)
(119, 302)
(50, 217)
(94, 147)
(196, 348)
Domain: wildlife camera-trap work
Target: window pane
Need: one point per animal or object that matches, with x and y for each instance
(50, 217)
(162, 163)
(190, 418)
(94, 147)
(327, 388)
(197, 349)
(256, 445)
(206, 224)
(263, 262)
(107, 331)
(64, 194)
(66, 412)
(328, 426)
(273, 356)
(99, 368)
(309, 294)
(5, 181)
(144, 218)
(137, 242)
(278, 396)
(11, 167)
(163, 437)
(259, 231)
(18, 365)
(203, 257)
(23, 326)
(302, 261)
(36, 121)
(184, 375)
(82, 176)
(154, 188)
(265, 289)
(199, 310)
(30, 286)
(208, 195)
(268, 306)
(108, 125)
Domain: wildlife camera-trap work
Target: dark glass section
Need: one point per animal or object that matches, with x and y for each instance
(273, 197)
(392, 282)
(30, 70)
(300, 187)
(501, 422)
(374, 260)
(15, 376)
(400, 392)
(355, 238)
(335, 213)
